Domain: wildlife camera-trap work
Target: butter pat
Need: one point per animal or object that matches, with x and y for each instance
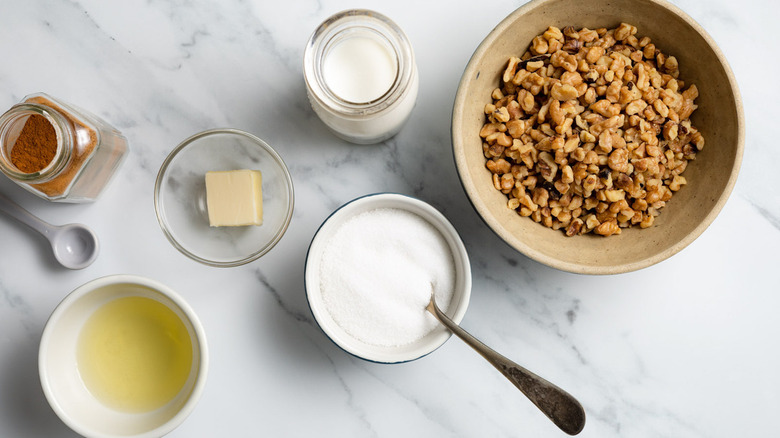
(234, 198)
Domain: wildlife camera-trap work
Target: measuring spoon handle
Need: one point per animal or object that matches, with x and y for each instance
(13, 210)
(559, 406)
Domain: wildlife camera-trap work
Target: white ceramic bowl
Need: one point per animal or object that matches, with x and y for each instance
(357, 347)
(58, 367)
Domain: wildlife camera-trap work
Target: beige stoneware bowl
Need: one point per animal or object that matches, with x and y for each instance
(711, 176)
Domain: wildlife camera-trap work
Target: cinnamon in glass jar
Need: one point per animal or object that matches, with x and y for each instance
(57, 151)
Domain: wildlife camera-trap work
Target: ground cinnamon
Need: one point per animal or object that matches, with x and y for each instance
(59, 184)
(58, 151)
(36, 145)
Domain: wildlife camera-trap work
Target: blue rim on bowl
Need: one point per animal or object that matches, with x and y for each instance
(348, 343)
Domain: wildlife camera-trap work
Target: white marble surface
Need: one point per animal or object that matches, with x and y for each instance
(686, 348)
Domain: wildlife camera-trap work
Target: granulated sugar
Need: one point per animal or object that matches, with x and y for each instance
(377, 272)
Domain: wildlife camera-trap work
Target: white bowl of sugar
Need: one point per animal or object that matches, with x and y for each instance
(371, 269)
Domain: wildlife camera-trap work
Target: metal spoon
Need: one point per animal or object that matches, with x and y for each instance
(75, 246)
(559, 406)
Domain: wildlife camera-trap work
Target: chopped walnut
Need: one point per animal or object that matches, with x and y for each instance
(590, 131)
(607, 228)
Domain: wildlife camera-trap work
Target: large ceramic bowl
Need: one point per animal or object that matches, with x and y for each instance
(180, 197)
(710, 177)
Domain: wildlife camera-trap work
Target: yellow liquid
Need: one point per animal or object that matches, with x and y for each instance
(134, 354)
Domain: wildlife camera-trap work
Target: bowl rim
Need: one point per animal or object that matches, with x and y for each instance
(460, 312)
(483, 212)
(96, 284)
(160, 211)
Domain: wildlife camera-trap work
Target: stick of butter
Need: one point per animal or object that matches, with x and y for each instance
(234, 198)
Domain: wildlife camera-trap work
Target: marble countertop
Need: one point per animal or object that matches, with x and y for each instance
(685, 348)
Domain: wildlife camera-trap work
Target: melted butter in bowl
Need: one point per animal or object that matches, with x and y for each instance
(134, 354)
(123, 355)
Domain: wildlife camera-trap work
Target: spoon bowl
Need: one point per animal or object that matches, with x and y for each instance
(75, 246)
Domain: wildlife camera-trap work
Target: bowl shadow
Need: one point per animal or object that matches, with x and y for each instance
(27, 410)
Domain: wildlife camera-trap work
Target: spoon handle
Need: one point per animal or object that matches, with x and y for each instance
(13, 210)
(559, 406)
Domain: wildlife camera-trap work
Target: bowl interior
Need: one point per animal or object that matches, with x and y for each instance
(64, 387)
(357, 347)
(710, 177)
(180, 197)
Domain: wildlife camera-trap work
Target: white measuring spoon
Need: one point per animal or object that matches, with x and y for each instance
(75, 246)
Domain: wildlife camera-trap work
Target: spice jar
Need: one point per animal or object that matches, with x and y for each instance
(57, 151)
(361, 76)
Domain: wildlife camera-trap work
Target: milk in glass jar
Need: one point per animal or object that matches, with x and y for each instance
(361, 76)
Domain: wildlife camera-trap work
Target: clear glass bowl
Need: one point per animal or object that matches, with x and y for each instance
(180, 197)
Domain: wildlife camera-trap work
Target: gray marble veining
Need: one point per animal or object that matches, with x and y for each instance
(673, 350)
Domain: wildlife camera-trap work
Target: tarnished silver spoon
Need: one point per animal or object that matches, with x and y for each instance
(559, 406)
(75, 246)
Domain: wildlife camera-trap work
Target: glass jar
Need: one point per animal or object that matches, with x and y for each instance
(57, 151)
(361, 76)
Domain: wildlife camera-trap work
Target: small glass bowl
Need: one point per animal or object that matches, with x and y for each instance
(180, 197)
